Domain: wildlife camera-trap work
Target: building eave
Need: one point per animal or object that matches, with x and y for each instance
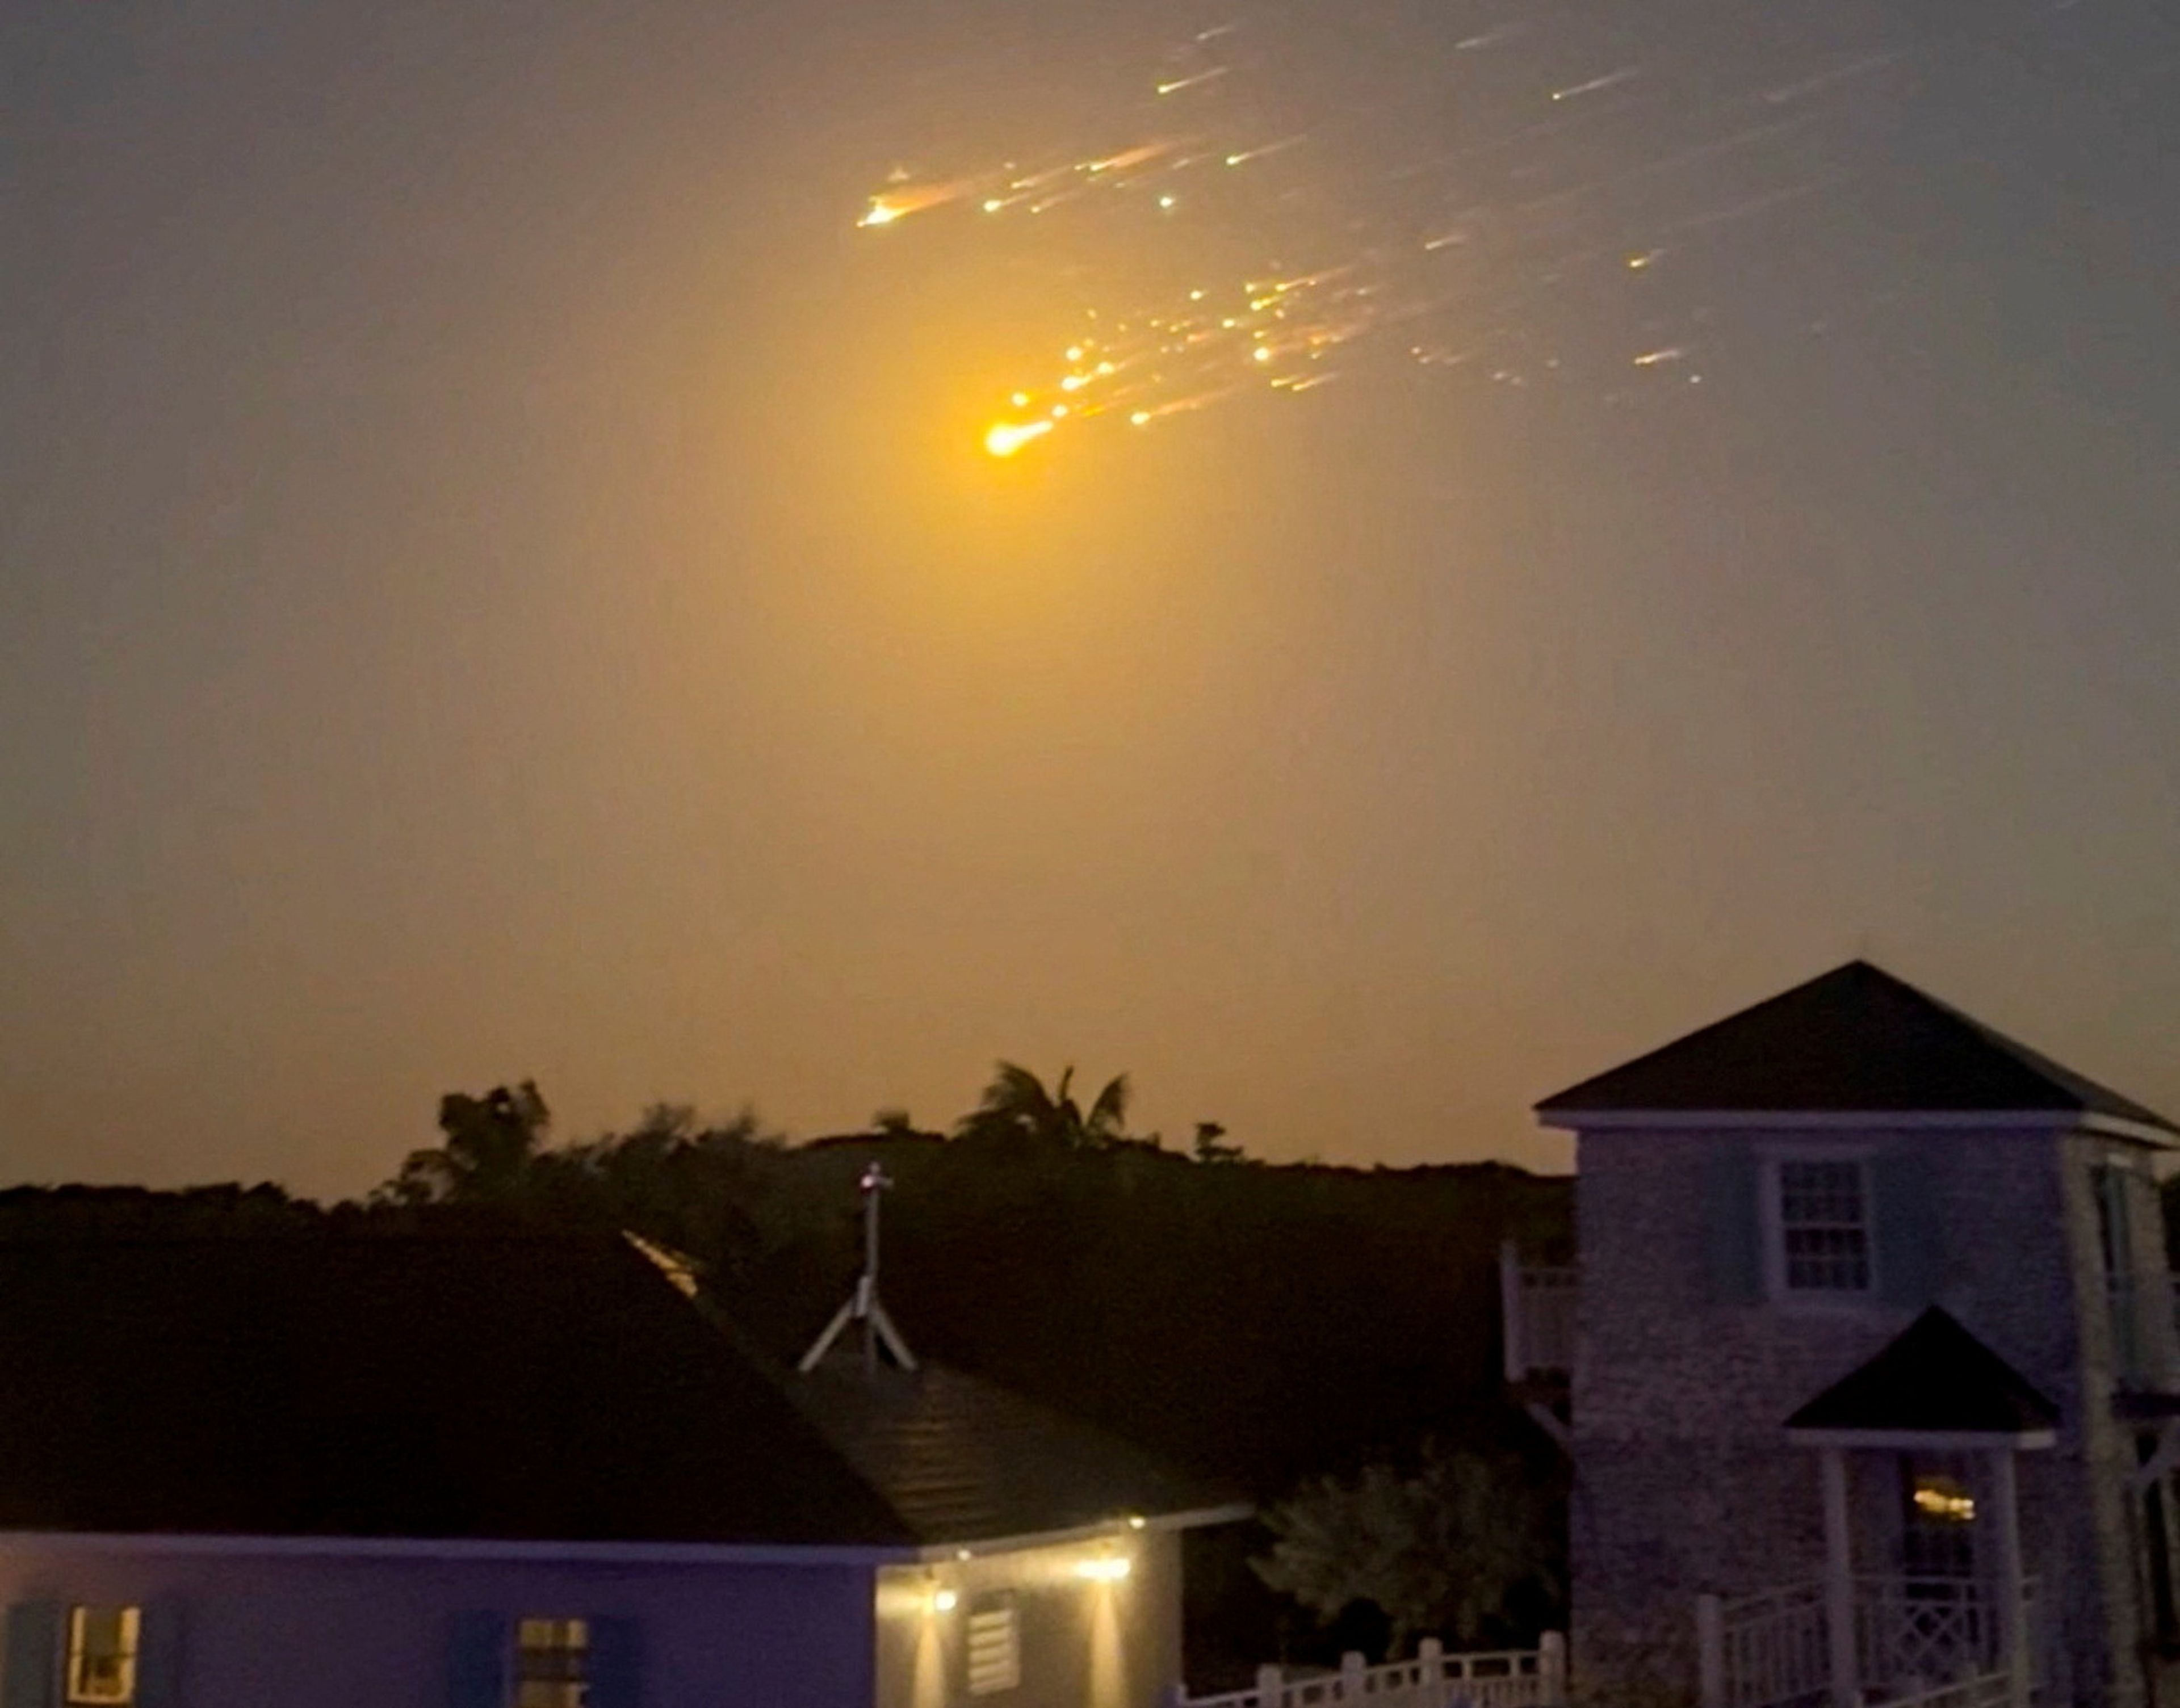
(455, 1549)
(2030, 1121)
(1926, 1440)
(1199, 1518)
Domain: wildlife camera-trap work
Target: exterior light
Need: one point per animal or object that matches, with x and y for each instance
(945, 1601)
(1106, 1568)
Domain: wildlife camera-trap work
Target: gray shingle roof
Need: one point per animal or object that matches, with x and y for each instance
(962, 1459)
(1857, 1038)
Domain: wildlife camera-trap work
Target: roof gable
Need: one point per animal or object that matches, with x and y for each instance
(1855, 1039)
(1932, 1378)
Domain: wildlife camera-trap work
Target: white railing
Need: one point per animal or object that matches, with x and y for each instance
(1916, 1640)
(1537, 1314)
(1499, 1678)
(1768, 1650)
(1913, 1634)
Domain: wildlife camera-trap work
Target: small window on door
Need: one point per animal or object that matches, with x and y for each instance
(102, 1654)
(1938, 1527)
(995, 1633)
(552, 1663)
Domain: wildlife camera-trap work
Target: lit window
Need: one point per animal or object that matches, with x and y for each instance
(102, 1654)
(1824, 1228)
(1938, 1536)
(552, 1663)
(995, 1646)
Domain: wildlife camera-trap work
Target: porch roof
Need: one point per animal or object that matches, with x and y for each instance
(1934, 1378)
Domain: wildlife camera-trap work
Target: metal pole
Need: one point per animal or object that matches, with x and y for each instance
(872, 1181)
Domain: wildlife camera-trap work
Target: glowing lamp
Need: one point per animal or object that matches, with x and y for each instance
(1106, 1568)
(945, 1601)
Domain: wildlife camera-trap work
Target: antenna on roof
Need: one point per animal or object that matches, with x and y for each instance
(863, 1304)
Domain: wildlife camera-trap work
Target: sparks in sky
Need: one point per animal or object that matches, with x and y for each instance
(1520, 245)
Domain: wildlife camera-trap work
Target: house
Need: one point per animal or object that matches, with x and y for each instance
(1873, 1373)
(316, 1468)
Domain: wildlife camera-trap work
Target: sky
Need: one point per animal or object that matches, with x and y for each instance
(501, 572)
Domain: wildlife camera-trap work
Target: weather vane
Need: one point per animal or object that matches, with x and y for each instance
(863, 1305)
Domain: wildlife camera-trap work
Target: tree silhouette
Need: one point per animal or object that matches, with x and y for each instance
(1440, 1550)
(491, 1143)
(1016, 1106)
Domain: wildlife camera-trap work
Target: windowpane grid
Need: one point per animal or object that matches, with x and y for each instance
(102, 1654)
(552, 1663)
(1824, 1227)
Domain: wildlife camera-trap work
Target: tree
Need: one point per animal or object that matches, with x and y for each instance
(490, 1144)
(1439, 1549)
(1016, 1106)
(1209, 1147)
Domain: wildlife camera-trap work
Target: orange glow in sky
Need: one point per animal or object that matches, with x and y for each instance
(1007, 438)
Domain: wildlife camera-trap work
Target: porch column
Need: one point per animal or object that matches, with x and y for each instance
(1839, 1581)
(2012, 1577)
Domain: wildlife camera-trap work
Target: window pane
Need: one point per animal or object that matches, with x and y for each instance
(552, 1663)
(102, 1654)
(1824, 1226)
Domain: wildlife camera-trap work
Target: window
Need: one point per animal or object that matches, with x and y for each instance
(102, 1654)
(1824, 1226)
(552, 1663)
(1937, 1532)
(995, 1646)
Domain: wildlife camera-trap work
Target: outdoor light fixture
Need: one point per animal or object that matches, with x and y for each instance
(1136, 1522)
(945, 1601)
(1106, 1568)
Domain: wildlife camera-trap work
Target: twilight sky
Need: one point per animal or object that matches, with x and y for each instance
(499, 575)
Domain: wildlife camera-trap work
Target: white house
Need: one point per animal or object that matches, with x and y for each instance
(303, 1470)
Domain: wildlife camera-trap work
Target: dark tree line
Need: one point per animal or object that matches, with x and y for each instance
(1301, 1329)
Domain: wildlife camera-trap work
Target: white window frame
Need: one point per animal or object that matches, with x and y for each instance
(74, 1689)
(1774, 1223)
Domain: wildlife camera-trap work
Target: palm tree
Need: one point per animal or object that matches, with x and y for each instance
(1016, 1105)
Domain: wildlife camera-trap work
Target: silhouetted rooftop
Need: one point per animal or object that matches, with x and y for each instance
(1934, 1378)
(1854, 1038)
(503, 1388)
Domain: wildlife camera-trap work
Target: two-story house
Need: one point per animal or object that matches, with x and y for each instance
(1874, 1370)
(375, 1471)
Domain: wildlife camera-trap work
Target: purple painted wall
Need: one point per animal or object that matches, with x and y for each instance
(263, 1631)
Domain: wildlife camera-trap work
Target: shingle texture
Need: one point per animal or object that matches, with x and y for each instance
(962, 1459)
(1855, 1038)
(1933, 1377)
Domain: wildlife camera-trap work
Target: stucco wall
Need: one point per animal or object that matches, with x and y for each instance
(1685, 1482)
(316, 1633)
(1084, 1643)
